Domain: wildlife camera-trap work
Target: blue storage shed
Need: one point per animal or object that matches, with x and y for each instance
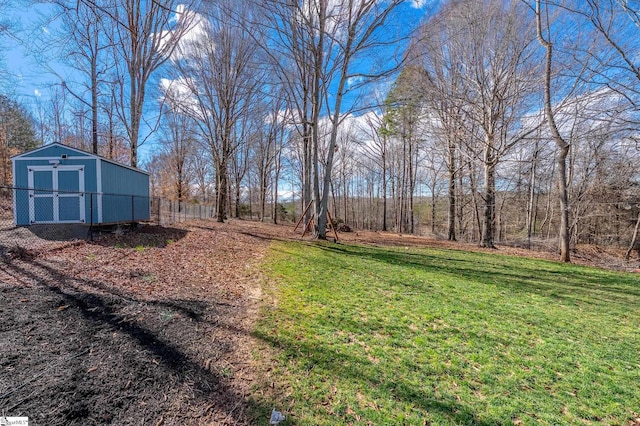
(60, 184)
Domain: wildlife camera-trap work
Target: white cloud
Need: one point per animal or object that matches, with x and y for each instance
(178, 94)
(37, 93)
(354, 80)
(419, 4)
(196, 33)
(285, 195)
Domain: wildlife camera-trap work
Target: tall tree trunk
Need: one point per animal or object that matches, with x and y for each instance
(562, 145)
(276, 177)
(451, 218)
(563, 149)
(346, 196)
(489, 208)
(460, 202)
(94, 105)
(634, 239)
(384, 184)
(412, 183)
(111, 138)
(306, 171)
(477, 224)
(4, 155)
(222, 191)
(403, 190)
(237, 200)
(318, 59)
(263, 193)
(532, 195)
(433, 208)
(134, 118)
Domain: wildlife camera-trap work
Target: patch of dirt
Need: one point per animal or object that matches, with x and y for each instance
(153, 326)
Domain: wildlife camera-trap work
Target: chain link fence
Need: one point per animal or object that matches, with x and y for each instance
(36, 220)
(166, 212)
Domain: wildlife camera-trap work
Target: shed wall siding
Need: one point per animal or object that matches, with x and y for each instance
(125, 194)
(122, 180)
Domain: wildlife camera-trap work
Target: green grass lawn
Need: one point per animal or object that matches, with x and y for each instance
(393, 336)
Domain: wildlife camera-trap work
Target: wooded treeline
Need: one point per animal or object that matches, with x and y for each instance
(491, 121)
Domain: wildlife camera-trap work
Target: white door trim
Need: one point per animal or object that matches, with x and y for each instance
(55, 195)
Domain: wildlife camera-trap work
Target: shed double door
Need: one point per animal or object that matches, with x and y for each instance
(56, 194)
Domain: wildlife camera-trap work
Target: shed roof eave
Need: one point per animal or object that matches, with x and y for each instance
(19, 156)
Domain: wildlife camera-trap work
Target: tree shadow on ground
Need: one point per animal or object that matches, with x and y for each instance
(26, 242)
(111, 358)
(142, 235)
(582, 285)
(326, 361)
(556, 284)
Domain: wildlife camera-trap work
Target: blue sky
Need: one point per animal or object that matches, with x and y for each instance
(31, 82)
(25, 75)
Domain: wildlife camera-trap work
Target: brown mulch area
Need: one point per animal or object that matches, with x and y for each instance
(151, 327)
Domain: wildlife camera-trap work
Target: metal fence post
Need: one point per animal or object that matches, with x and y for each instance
(91, 216)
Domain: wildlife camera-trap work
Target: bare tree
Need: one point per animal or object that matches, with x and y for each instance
(83, 45)
(321, 41)
(7, 28)
(202, 172)
(478, 82)
(357, 29)
(57, 107)
(561, 144)
(443, 85)
(280, 134)
(178, 146)
(500, 69)
(617, 24)
(239, 160)
(112, 132)
(375, 150)
(217, 85)
(146, 33)
(267, 150)
(5, 23)
(289, 42)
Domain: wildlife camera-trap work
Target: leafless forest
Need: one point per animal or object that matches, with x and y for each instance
(489, 121)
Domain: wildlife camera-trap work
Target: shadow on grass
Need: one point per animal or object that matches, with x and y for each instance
(567, 283)
(327, 362)
(555, 284)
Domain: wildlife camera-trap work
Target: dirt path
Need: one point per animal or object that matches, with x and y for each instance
(148, 328)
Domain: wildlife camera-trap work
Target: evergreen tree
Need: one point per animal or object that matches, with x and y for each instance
(17, 134)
